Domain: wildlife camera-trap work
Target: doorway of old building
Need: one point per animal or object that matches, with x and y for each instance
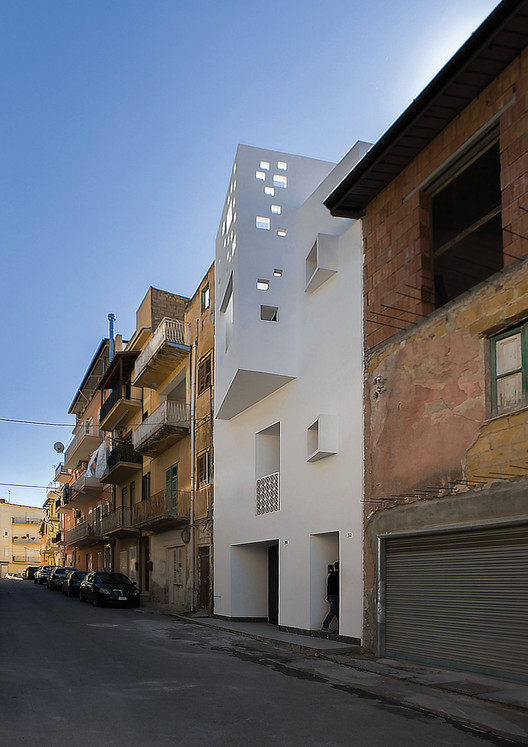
(178, 557)
(204, 575)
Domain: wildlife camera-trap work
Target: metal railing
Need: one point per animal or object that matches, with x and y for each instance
(123, 453)
(168, 330)
(84, 530)
(177, 414)
(85, 482)
(23, 520)
(120, 517)
(117, 393)
(25, 541)
(160, 506)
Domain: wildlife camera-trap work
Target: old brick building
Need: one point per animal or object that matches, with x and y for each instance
(443, 197)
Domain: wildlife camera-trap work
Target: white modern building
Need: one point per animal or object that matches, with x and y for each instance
(288, 396)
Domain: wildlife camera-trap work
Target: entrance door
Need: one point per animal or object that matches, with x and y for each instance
(273, 584)
(203, 577)
(146, 563)
(178, 574)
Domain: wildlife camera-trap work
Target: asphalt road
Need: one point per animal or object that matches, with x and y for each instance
(74, 674)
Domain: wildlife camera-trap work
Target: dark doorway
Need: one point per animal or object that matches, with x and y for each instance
(145, 552)
(273, 584)
(203, 577)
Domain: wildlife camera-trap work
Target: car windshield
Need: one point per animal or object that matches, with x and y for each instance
(113, 578)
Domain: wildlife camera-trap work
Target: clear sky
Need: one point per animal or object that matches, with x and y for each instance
(120, 121)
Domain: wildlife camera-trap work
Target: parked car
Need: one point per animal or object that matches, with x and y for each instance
(72, 583)
(14, 576)
(106, 587)
(42, 574)
(29, 573)
(57, 576)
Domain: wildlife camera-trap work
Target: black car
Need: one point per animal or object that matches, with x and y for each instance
(72, 583)
(57, 576)
(29, 572)
(106, 587)
(42, 574)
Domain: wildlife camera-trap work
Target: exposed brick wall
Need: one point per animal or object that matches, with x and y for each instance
(397, 275)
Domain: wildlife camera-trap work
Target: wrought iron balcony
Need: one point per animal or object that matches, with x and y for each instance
(168, 424)
(61, 473)
(167, 347)
(122, 462)
(121, 402)
(86, 533)
(162, 511)
(118, 523)
(23, 520)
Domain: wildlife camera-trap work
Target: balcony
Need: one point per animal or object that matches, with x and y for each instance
(167, 425)
(28, 559)
(82, 446)
(122, 402)
(31, 541)
(167, 347)
(83, 488)
(160, 512)
(86, 533)
(122, 462)
(118, 523)
(61, 473)
(24, 520)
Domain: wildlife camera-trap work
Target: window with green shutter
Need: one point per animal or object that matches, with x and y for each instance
(509, 369)
(171, 487)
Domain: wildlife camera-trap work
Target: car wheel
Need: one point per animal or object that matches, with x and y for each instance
(81, 598)
(95, 600)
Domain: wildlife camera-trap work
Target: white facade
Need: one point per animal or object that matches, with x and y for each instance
(288, 395)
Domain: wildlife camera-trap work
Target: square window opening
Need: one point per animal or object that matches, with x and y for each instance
(269, 313)
(263, 223)
(262, 284)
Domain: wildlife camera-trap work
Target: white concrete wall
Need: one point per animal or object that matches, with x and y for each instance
(320, 344)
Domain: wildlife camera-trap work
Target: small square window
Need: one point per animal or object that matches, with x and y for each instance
(260, 175)
(281, 232)
(269, 191)
(262, 285)
(280, 181)
(276, 209)
(261, 222)
(277, 273)
(265, 165)
(282, 165)
(269, 313)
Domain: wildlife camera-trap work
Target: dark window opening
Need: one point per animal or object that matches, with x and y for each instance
(467, 227)
(145, 486)
(202, 468)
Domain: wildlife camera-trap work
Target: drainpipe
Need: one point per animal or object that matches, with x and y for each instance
(111, 320)
(191, 512)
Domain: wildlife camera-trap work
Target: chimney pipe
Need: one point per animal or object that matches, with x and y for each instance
(111, 320)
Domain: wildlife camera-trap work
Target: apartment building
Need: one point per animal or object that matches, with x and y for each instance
(157, 417)
(52, 546)
(444, 205)
(19, 536)
(288, 394)
(85, 498)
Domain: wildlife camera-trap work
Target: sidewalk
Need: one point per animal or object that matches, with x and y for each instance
(494, 706)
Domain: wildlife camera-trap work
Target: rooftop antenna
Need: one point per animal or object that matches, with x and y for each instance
(111, 320)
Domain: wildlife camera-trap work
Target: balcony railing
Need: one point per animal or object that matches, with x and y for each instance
(129, 400)
(268, 493)
(25, 541)
(61, 473)
(23, 520)
(123, 453)
(30, 559)
(161, 510)
(84, 443)
(118, 521)
(171, 341)
(166, 425)
(84, 484)
(86, 531)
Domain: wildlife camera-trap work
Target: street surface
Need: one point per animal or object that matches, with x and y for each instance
(80, 675)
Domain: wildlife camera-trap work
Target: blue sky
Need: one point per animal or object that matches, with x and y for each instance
(120, 121)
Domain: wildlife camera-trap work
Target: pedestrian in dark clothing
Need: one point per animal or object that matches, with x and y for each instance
(332, 596)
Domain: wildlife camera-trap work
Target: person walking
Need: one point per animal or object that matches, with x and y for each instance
(332, 596)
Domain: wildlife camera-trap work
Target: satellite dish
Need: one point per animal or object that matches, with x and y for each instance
(59, 447)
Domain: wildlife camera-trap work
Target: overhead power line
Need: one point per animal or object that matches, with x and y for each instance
(37, 422)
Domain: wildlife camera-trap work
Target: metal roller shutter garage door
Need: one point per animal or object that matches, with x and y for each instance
(459, 600)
